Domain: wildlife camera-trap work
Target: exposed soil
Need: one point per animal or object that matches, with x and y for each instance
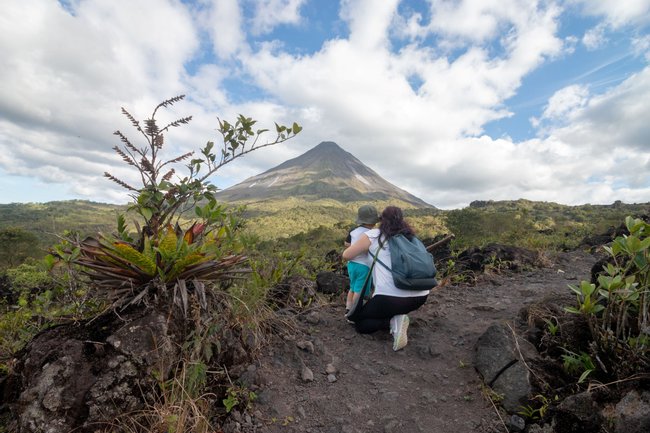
(430, 386)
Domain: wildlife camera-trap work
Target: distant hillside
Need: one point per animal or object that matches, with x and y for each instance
(47, 220)
(530, 224)
(324, 172)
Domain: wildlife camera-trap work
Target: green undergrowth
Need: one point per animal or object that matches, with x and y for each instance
(201, 392)
(36, 297)
(601, 342)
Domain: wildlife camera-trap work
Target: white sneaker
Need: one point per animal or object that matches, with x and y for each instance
(398, 327)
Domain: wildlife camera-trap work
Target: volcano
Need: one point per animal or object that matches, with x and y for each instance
(324, 172)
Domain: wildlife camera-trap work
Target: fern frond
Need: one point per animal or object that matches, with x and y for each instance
(119, 182)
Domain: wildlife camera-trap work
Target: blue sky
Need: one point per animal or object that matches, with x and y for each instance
(454, 101)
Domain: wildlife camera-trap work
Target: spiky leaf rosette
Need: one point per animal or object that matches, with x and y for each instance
(167, 265)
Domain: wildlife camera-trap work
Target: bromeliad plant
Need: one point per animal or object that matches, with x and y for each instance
(161, 259)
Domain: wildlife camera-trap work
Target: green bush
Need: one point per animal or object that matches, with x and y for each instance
(28, 277)
(617, 305)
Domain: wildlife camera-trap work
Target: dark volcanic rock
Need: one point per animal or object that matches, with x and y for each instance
(331, 283)
(504, 256)
(632, 413)
(578, 413)
(498, 358)
(81, 376)
(293, 291)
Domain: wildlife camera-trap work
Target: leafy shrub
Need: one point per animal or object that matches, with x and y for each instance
(617, 306)
(162, 260)
(28, 277)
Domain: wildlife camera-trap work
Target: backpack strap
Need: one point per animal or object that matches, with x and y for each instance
(376, 255)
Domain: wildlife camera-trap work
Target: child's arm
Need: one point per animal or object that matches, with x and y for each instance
(360, 246)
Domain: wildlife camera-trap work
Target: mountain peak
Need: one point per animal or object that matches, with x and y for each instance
(324, 171)
(326, 145)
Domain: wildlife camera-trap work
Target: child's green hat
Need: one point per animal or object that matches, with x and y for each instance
(367, 214)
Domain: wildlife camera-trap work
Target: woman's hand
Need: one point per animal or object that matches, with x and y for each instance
(359, 247)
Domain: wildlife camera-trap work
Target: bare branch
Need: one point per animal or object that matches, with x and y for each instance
(225, 161)
(441, 242)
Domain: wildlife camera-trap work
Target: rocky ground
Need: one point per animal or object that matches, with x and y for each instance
(321, 376)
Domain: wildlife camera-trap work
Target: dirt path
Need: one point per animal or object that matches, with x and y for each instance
(430, 386)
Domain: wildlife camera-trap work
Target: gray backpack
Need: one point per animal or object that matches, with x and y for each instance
(411, 264)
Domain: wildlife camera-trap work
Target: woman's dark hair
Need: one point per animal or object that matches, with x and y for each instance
(393, 223)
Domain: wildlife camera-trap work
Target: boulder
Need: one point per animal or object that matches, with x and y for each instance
(578, 413)
(335, 261)
(82, 376)
(632, 413)
(293, 290)
(497, 358)
(506, 256)
(331, 283)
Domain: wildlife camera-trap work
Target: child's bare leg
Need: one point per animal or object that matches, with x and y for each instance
(349, 301)
(355, 298)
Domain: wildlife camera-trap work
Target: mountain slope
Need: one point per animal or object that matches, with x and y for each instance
(324, 172)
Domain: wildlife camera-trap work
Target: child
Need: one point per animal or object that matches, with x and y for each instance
(359, 266)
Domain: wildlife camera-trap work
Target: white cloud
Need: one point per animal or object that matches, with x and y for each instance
(614, 120)
(365, 103)
(476, 21)
(563, 105)
(641, 46)
(64, 76)
(271, 13)
(616, 12)
(223, 21)
(368, 21)
(594, 38)
(473, 20)
(414, 111)
(570, 43)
